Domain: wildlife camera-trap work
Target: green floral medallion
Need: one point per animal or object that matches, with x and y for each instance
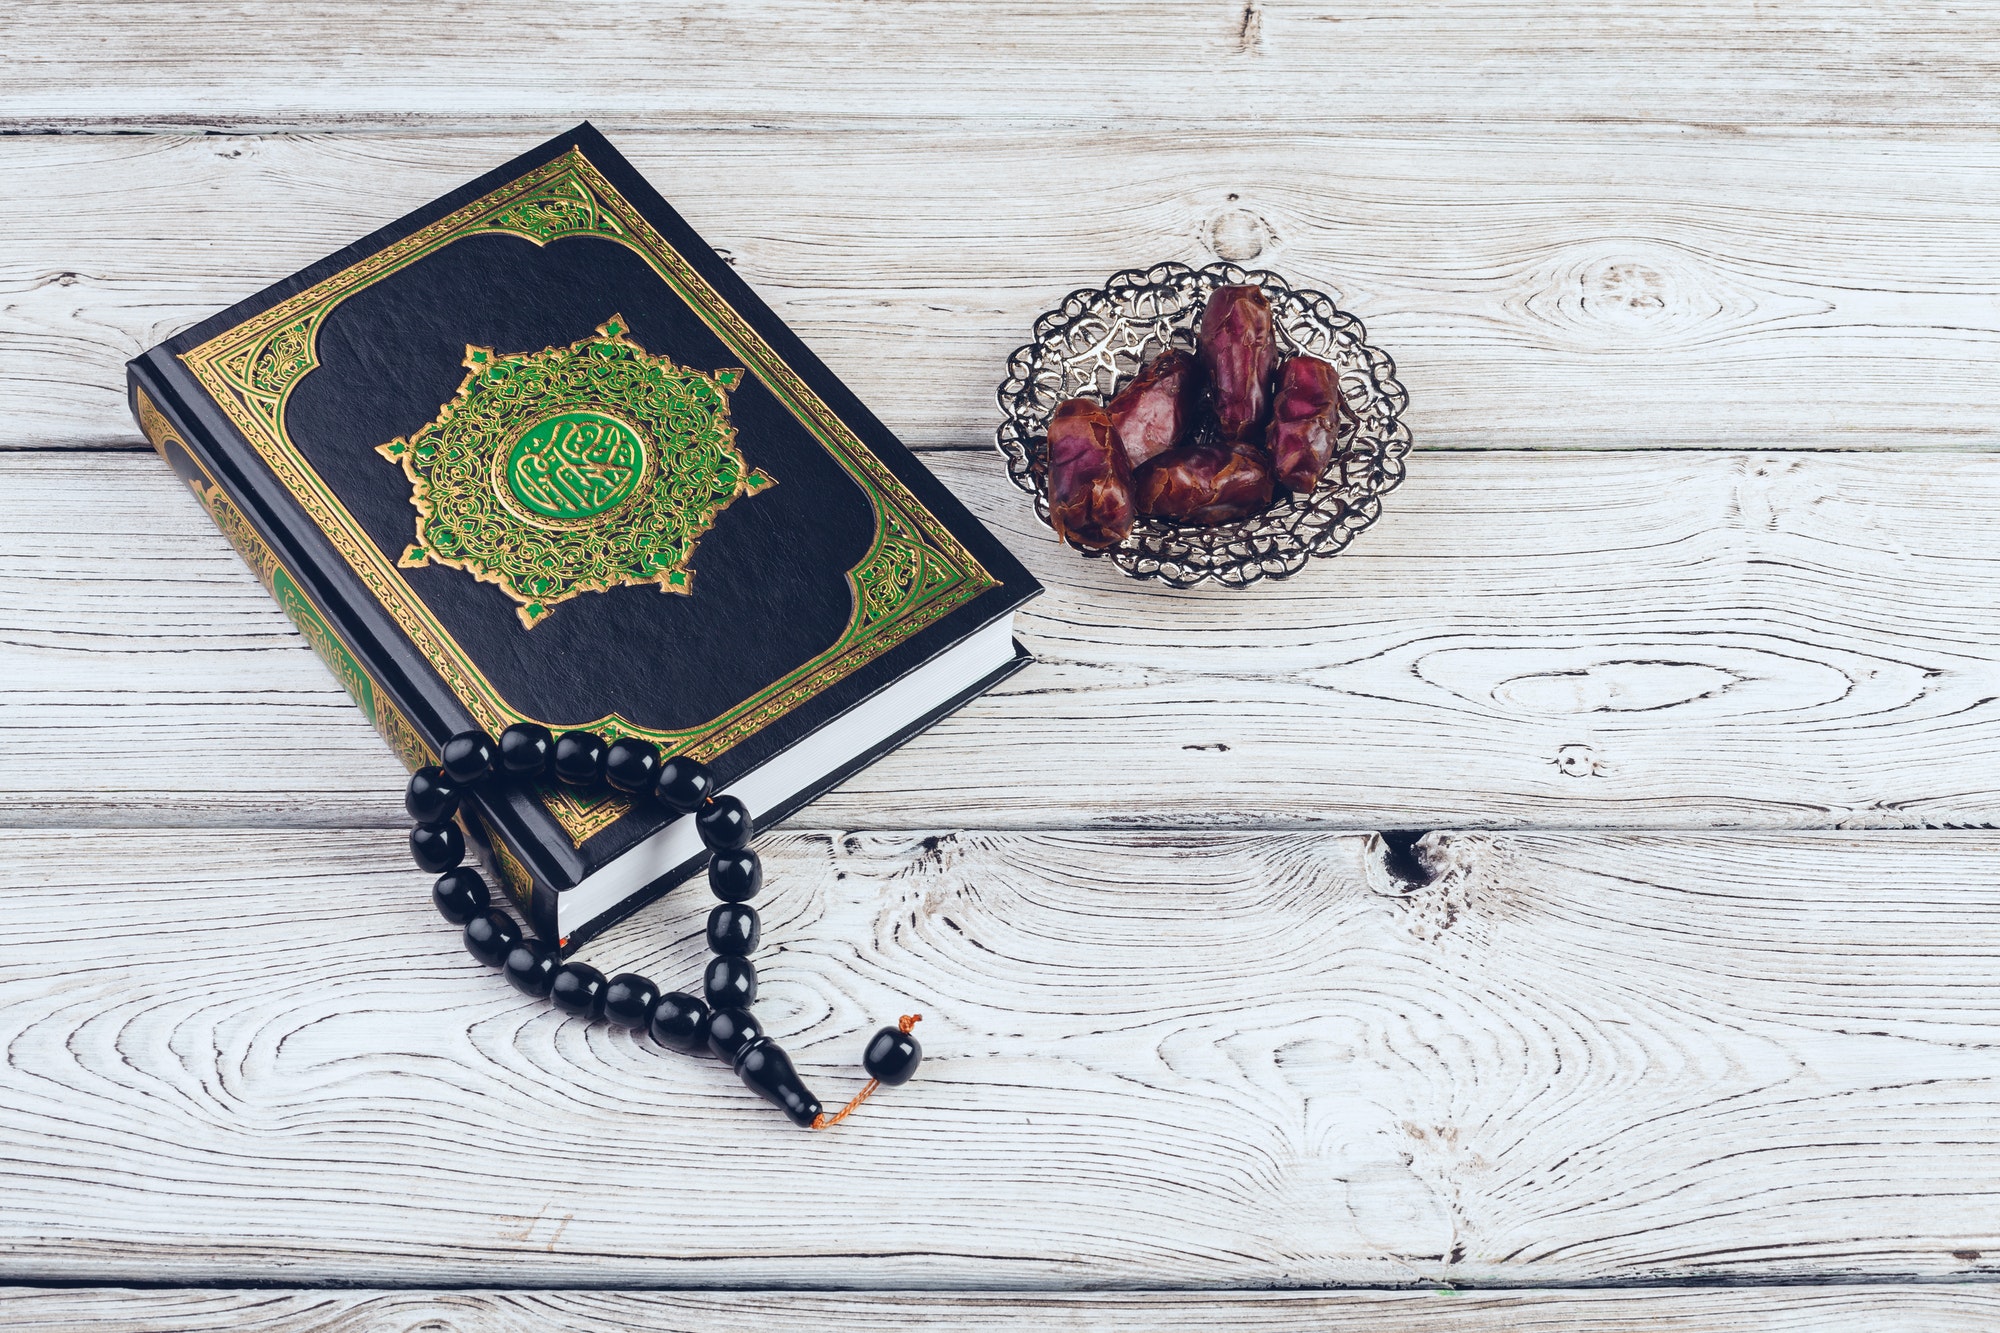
(574, 469)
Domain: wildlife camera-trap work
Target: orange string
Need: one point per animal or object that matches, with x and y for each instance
(825, 1121)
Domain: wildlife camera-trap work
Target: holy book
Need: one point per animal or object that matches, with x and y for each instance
(535, 453)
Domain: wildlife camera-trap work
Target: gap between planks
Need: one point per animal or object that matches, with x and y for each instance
(287, 1309)
(1697, 62)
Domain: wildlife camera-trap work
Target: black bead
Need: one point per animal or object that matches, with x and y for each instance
(531, 967)
(460, 894)
(680, 1021)
(436, 847)
(491, 936)
(578, 988)
(767, 1070)
(730, 1030)
(732, 930)
(580, 758)
(892, 1056)
(431, 796)
(735, 876)
(468, 757)
(526, 749)
(729, 983)
(724, 824)
(628, 999)
(631, 764)
(683, 784)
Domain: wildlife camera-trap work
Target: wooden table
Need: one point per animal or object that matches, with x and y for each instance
(1681, 646)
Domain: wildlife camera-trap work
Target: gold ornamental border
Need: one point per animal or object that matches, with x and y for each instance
(915, 571)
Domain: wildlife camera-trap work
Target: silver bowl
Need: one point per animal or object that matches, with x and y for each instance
(1097, 340)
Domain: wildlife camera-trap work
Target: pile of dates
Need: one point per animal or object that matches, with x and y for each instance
(1201, 439)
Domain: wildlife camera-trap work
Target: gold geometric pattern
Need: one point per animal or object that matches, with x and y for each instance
(511, 871)
(574, 469)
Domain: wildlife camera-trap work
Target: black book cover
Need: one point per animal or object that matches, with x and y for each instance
(536, 453)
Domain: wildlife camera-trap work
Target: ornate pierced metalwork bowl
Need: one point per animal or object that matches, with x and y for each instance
(1098, 339)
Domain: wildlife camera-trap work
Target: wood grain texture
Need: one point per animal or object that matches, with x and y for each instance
(1165, 1052)
(1588, 640)
(1831, 1309)
(98, 64)
(1154, 1061)
(1543, 289)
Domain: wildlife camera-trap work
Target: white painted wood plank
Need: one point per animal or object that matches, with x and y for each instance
(1594, 287)
(1230, 1060)
(1583, 640)
(92, 63)
(1837, 1309)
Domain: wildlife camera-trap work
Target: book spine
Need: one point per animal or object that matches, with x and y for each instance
(180, 448)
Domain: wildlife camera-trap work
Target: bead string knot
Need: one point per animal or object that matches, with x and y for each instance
(903, 1026)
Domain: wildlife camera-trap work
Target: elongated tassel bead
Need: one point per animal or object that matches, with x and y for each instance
(767, 1070)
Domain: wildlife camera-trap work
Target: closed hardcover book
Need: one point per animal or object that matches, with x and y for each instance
(535, 454)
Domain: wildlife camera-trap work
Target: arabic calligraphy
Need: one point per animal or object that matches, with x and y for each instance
(574, 469)
(575, 465)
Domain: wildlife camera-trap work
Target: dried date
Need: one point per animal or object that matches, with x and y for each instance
(1206, 484)
(1152, 413)
(1239, 353)
(1305, 422)
(1090, 480)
